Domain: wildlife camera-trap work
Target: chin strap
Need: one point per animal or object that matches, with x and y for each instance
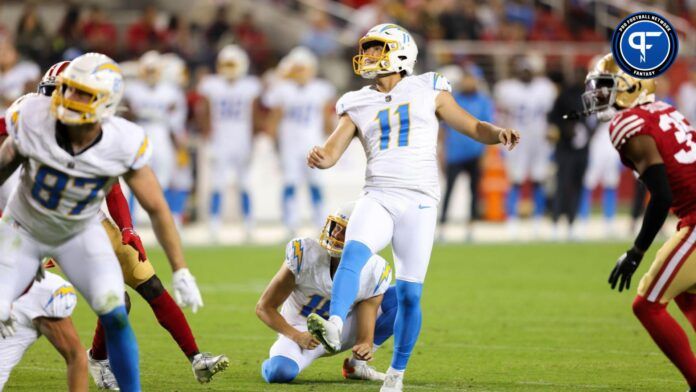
(643, 98)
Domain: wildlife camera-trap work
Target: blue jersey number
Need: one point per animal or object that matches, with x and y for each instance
(50, 183)
(317, 304)
(403, 112)
(230, 108)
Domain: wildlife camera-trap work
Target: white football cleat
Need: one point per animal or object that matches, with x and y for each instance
(325, 331)
(394, 381)
(361, 371)
(205, 366)
(101, 373)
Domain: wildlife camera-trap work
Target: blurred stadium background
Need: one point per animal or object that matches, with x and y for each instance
(483, 39)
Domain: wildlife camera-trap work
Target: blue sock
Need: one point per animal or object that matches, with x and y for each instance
(288, 198)
(384, 326)
(585, 202)
(316, 194)
(215, 204)
(279, 369)
(513, 198)
(408, 322)
(179, 198)
(170, 196)
(347, 277)
(609, 202)
(122, 348)
(246, 204)
(539, 200)
(131, 206)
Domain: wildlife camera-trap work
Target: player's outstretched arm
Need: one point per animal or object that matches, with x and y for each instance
(337, 143)
(147, 190)
(450, 112)
(643, 153)
(366, 312)
(10, 159)
(63, 336)
(275, 294)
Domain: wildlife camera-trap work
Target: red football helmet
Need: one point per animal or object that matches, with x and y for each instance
(48, 81)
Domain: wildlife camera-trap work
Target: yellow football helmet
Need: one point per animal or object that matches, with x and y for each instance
(608, 88)
(332, 236)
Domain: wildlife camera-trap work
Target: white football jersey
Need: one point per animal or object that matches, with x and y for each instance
(311, 265)
(160, 109)
(14, 81)
(398, 131)
(525, 106)
(51, 297)
(60, 193)
(231, 109)
(302, 125)
(686, 101)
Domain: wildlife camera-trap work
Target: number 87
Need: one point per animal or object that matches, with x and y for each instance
(48, 194)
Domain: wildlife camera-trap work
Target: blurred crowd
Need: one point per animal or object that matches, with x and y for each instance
(195, 92)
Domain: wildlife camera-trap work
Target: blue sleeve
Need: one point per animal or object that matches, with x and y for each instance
(488, 109)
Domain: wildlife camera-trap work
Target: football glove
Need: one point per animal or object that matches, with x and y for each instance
(624, 269)
(186, 291)
(7, 327)
(131, 238)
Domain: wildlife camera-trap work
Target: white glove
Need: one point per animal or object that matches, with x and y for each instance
(7, 327)
(186, 291)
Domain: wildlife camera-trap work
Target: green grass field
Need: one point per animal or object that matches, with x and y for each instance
(537, 317)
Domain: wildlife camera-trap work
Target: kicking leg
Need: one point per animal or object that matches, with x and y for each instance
(369, 229)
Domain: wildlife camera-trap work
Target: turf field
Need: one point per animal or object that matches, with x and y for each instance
(536, 317)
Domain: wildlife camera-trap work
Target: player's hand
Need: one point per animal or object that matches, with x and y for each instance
(306, 340)
(509, 138)
(316, 159)
(624, 269)
(131, 238)
(7, 327)
(186, 291)
(363, 352)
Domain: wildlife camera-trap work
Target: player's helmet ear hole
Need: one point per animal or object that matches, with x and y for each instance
(402, 57)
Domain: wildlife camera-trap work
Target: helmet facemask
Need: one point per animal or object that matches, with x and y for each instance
(333, 234)
(229, 69)
(369, 65)
(83, 104)
(600, 96)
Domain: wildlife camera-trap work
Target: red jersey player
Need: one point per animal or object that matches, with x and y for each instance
(140, 275)
(656, 141)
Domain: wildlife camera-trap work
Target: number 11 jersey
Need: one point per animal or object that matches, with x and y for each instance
(398, 131)
(675, 140)
(61, 193)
